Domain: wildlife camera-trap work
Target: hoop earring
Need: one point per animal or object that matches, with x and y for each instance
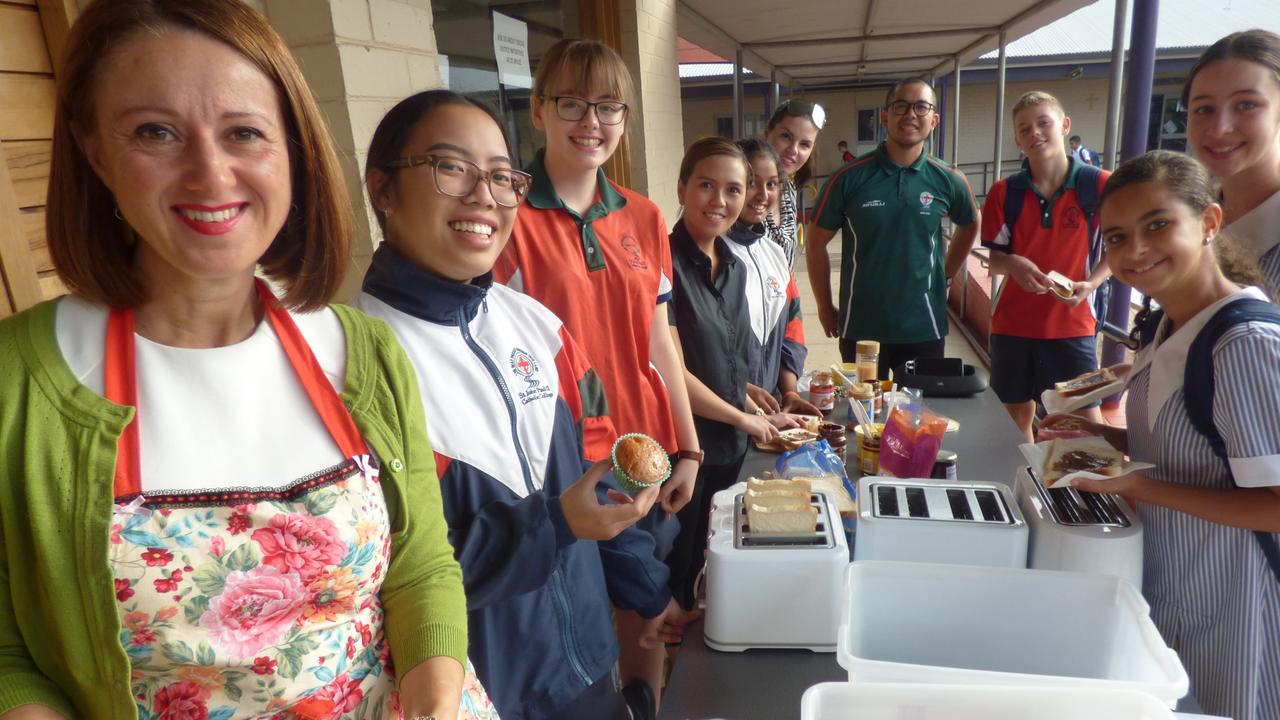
(127, 234)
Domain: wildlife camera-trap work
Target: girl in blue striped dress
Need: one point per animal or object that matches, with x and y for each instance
(1213, 595)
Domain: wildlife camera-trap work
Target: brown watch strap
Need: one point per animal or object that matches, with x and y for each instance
(694, 455)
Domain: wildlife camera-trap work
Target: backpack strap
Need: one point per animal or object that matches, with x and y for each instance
(1198, 388)
(1015, 195)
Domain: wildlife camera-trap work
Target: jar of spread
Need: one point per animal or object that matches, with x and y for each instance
(836, 437)
(944, 467)
(869, 449)
(863, 394)
(867, 355)
(822, 392)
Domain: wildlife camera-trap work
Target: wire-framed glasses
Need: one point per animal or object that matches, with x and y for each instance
(458, 178)
(919, 107)
(573, 109)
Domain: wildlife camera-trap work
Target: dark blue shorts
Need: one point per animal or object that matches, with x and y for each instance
(1023, 368)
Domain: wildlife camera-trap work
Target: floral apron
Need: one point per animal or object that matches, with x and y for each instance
(246, 602)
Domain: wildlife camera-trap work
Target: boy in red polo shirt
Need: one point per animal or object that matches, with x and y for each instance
(1039, 337)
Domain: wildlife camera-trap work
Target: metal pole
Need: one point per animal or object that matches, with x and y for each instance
(940, 132)
(1117, 82)
(1137, 101)
(777, 95)
(999, 110)
(771, 94)
(737, 93)
(955, 121)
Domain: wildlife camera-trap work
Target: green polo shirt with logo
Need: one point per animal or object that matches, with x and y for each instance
(892, 284)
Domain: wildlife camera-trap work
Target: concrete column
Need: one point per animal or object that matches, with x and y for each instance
(1116, 83)
(1000, 68)
(656, 124)
(737, 93)
(360, 57)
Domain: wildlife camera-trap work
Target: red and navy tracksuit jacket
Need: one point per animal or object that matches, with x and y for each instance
(515, 416)
(773, 302)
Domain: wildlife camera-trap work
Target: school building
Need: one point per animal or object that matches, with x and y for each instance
(362, 56)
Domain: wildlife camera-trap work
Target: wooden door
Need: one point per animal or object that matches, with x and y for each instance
(31, 37)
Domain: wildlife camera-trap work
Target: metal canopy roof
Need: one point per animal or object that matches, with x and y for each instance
(816, 42)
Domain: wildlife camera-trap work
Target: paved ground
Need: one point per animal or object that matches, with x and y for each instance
(824, 350)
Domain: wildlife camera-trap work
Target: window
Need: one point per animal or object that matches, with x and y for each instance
(869, 126)
(464, 33)
(1167, 129)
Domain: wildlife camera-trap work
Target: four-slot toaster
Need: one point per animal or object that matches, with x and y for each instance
(969, 523)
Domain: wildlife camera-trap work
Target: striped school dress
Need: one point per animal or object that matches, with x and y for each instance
(1212, 595)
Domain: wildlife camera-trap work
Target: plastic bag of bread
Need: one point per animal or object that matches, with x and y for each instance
(910, 443)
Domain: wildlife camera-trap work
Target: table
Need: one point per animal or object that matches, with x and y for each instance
(767, 684)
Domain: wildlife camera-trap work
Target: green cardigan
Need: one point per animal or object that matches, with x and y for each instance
(59, 623)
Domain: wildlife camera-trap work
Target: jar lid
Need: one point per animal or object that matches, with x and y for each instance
(867, 347)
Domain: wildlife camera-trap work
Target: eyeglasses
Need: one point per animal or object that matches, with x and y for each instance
(573, 109)
(459, 178)
(803, 108)
(919, 107)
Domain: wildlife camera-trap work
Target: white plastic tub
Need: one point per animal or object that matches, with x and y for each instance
(902, 701)
(962, 624)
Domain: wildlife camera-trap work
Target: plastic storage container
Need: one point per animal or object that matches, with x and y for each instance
(896, 701)
(958, 624)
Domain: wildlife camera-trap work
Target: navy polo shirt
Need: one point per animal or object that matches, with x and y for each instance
(715, 334)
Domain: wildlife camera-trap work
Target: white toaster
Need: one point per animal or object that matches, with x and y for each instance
(1081, 531)
(772, 591)
(940, 522)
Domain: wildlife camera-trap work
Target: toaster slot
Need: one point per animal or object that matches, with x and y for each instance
(1064, 502)
(887, 500)
(959, 501)
(989, 505)
(917, 506)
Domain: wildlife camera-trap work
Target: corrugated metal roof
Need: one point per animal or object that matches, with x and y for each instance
(1182, 23)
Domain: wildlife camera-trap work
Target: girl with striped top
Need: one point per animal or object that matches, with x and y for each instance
(1213, 595)
(1232, 98)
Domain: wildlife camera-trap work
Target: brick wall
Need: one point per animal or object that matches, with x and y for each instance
(360, 58)
(656, 131)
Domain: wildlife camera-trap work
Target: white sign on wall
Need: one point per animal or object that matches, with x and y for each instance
(511, 50)
(443, 60)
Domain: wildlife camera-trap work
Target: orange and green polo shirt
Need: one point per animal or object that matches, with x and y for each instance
(1051, 232)
(604, 273)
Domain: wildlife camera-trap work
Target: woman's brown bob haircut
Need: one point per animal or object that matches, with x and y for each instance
(87, 243)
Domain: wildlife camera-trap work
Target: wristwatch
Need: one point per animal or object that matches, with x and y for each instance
(694, 455)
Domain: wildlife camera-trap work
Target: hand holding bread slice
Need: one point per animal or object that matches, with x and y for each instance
(1086, 383)
(1060, 461)
(1067, 457)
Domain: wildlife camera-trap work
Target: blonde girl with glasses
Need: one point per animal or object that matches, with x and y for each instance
(597, 255)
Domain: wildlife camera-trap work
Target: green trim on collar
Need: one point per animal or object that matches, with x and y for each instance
(543, 196)
(1022, 179)
(889, 166)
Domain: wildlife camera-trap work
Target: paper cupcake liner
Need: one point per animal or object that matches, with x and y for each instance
(625, 480)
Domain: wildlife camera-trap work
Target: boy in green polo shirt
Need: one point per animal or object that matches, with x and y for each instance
(893, 269)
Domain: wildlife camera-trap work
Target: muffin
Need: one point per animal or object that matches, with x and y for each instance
(639, 462)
